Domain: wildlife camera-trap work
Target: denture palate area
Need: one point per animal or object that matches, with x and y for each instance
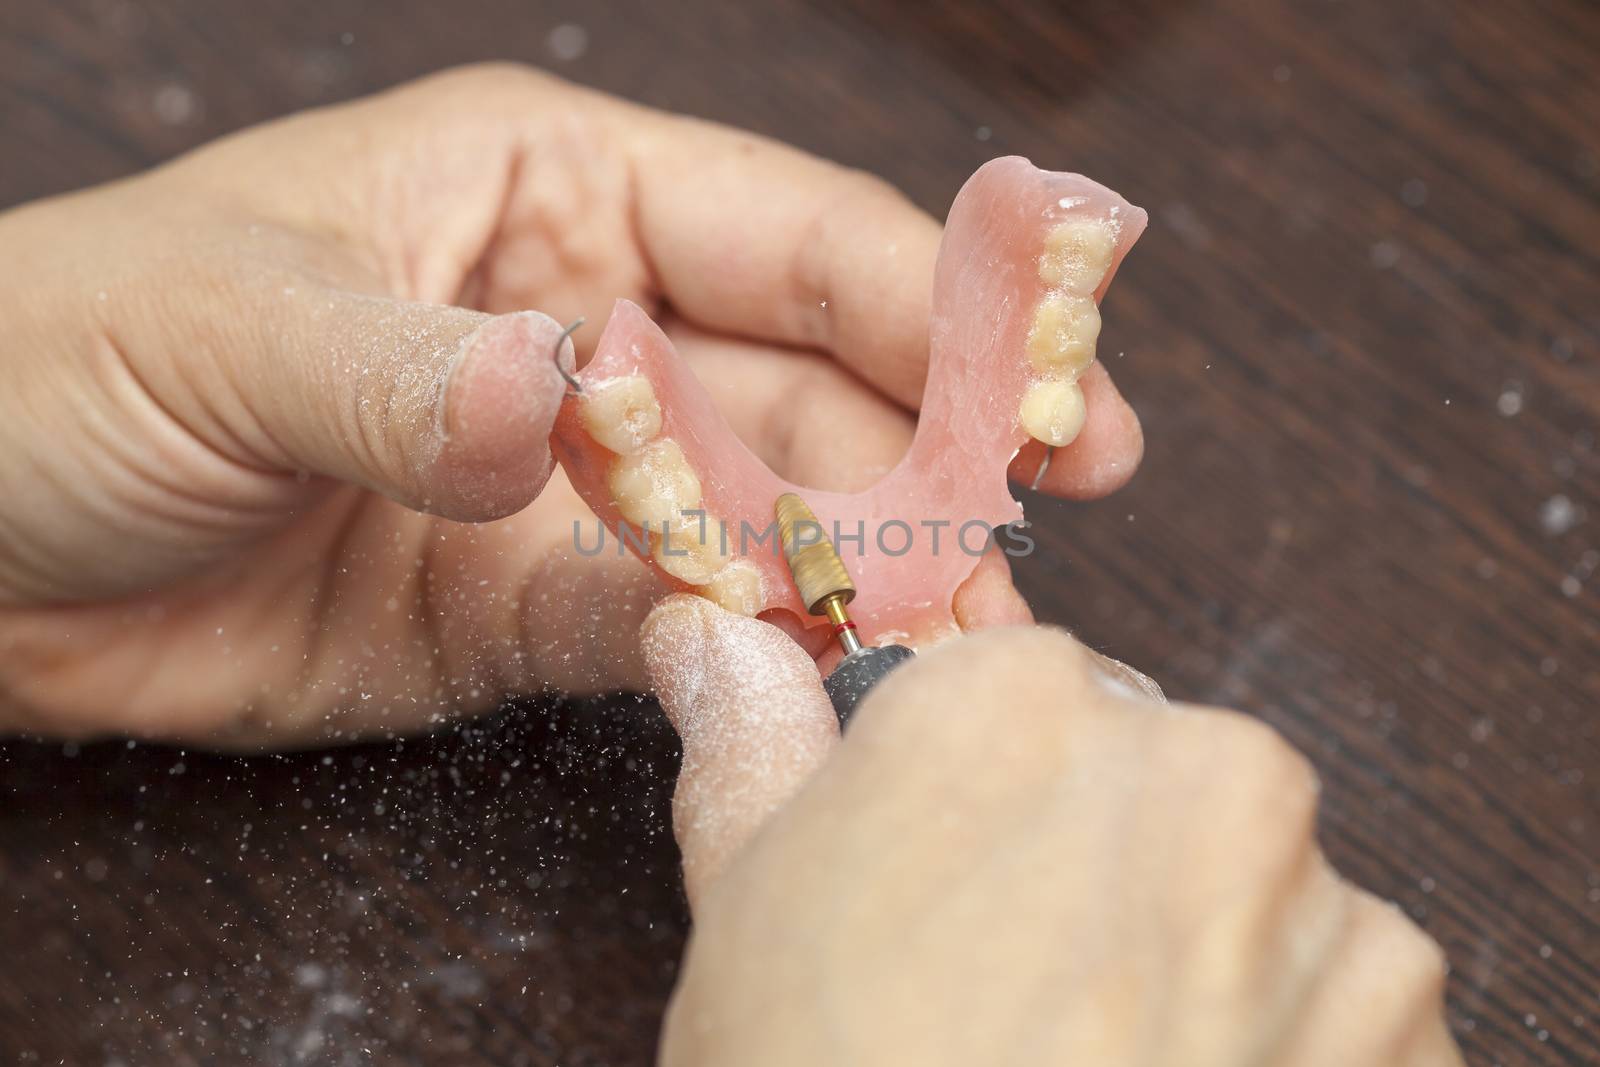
(1026, 256)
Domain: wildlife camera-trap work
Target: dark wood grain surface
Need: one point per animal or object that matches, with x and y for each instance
(1361, 332)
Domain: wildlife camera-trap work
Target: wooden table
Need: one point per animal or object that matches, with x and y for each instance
(1361, 332)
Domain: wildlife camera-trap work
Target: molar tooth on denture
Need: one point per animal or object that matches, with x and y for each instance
(735, 588)
(1065, 329)
(1016, 238)
(621, 414)
(692, 548)
(1077, 254)
(654, 485)
(1053, 411)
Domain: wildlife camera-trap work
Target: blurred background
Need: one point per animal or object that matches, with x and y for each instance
(1361, 332)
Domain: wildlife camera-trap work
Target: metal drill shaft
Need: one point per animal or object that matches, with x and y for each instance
(833, 607)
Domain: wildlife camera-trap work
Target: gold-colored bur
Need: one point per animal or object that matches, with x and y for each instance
(825, 586)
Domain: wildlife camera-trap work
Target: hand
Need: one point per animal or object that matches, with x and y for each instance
(246, 419)
(1014, 858)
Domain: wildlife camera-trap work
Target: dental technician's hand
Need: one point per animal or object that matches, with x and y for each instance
(1010, 860)
(246, 415)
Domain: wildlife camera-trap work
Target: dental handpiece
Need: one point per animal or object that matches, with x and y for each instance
(825, 589)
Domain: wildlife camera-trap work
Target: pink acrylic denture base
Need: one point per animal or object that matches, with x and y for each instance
(986, 287)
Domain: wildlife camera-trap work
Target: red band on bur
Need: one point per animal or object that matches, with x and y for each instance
(842, 627)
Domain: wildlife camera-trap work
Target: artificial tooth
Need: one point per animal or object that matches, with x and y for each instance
(1065, 329)
(654, 485)
(1077, 254)
(1053, 412)
(621, 414)
(691, 549)
(735, 588)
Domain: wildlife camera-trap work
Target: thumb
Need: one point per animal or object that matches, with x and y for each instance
(442, 409)
(755, 724)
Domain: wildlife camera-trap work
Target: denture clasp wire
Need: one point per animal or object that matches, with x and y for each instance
(1044, 465)
(567, 332)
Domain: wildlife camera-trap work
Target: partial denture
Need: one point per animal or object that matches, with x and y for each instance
(1026, 256)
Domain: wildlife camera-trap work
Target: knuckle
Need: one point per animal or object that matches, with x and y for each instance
(1257, 792)
(1418, 962)
(1263, 762)
(1397, 963)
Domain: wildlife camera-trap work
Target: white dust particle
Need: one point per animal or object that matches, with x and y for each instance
(1385, 254)
(1559, 514)
(1510, 402)
(174, 104)
(983, 133)
(1414, 193)
(568, 42)
(310, 976)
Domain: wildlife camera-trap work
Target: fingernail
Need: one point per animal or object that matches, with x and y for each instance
(517, 355)
(500, 396)
(1123, 680)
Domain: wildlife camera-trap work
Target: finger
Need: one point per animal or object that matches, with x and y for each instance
(989, 597)
(442, 409)
(752, 237)
(1100, 460)
(1390, 975)
(740, 234)
(754, 721)
(1018, 695)
(806, 417)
